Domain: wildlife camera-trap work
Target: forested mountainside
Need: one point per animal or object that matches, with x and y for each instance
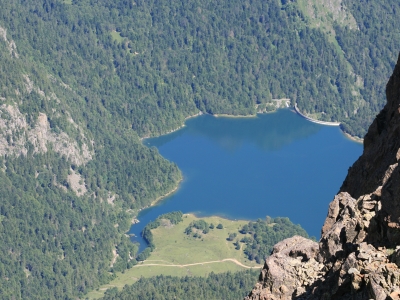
(82, 81)
(227, 285)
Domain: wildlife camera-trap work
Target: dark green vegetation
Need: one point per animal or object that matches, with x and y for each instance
(214, 286)
(172, 218)
(232, 236)
(58, 244)
(121, 70)
(372, 52)
(201, 226)
(265, 234)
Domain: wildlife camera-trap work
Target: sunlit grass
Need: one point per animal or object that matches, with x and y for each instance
(175, 251)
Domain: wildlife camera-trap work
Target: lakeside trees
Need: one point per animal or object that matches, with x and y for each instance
(265, 234)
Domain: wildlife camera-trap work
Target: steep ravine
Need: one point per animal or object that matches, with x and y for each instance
(358, 255)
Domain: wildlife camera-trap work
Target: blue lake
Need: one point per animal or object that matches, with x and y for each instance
(275, 164)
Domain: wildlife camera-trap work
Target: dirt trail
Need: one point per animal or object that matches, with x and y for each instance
(202, 263)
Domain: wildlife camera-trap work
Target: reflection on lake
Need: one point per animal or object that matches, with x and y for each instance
(232, 133)
(246, 168)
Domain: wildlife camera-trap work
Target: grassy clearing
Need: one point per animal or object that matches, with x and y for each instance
(116, 36)
(174, 247)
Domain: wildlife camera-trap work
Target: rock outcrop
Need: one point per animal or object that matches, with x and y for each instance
(358, 255)
(16, 134)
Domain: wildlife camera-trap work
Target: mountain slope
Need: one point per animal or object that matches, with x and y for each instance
(81, 82)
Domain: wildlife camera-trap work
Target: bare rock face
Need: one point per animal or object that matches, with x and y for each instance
(288, 270)
(15, 134)
(358, 255)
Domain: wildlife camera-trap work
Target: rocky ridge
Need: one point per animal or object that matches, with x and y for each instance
(358, 255)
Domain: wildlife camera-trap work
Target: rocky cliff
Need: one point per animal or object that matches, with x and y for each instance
(358, 255)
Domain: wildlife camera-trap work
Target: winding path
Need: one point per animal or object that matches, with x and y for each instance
(201, 263)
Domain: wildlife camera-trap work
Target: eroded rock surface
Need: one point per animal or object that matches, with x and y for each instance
(15, 134)
(358, 255)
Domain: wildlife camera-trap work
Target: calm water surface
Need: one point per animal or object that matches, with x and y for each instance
(247, 168)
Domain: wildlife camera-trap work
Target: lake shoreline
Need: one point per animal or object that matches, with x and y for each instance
(160, 198)
(233, 116)
(172, 130)
(224, 160)
(349, 136)
(314, 120)
(216, 116)
(293, 109)
(353, 138)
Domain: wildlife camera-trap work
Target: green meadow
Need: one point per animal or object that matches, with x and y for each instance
(179, 254)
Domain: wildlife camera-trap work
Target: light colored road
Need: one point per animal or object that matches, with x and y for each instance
(201, 263)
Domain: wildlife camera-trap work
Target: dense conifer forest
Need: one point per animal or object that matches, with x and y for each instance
(230, 285)
(265, 234)
(81, 82)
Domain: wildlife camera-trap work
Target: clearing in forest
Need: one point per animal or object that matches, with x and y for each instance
(179, 254)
